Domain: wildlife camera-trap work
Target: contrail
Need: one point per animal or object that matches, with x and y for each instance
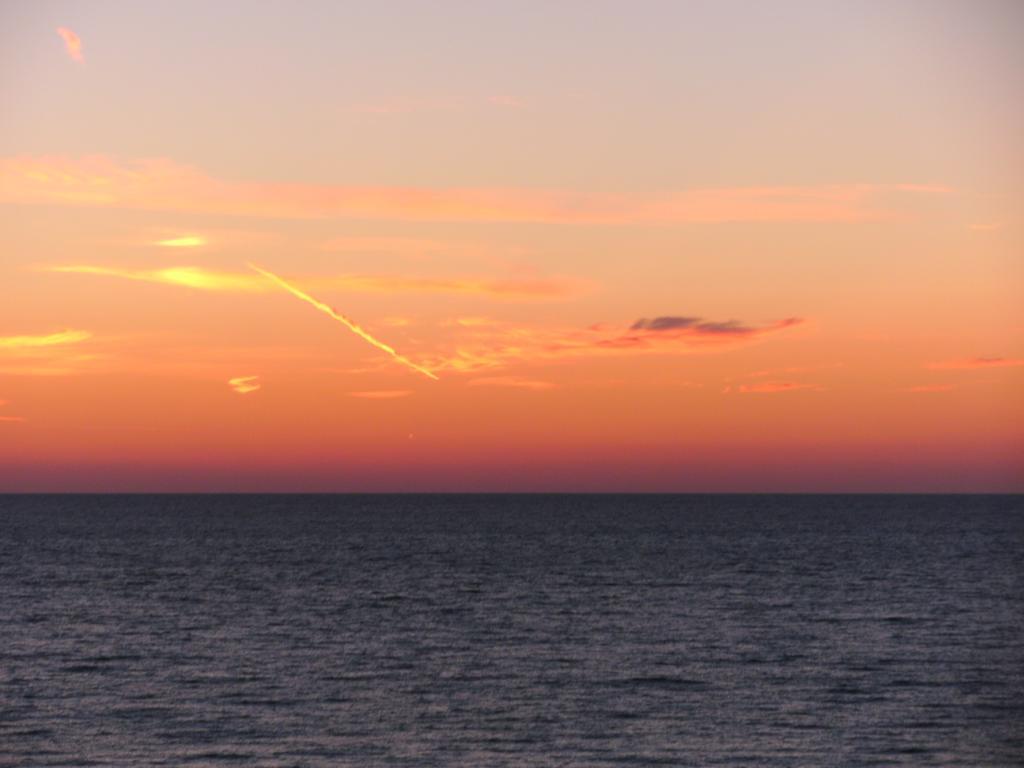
(358, 331)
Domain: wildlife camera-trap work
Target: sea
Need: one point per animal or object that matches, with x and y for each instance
(511, 630)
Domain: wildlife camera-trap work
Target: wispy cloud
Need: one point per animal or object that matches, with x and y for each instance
(381, 394)
(490, 347)
(789, 370)
(921, 388)
(188, 277)
(50, 354)
(37, 370)
(426, 249)
(203, 279)
(72, 44)
(645, 332)
(514, 382)
(389, 246)
(974, 363)
(47, 340)
(185, 241)
(243, 385)
(9, 418)
(539, 288)
(161, 184)
(773, 387)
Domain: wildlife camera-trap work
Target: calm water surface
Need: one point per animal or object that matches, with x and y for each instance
(511, 630)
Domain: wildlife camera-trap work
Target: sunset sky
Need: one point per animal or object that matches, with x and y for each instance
(530, 246)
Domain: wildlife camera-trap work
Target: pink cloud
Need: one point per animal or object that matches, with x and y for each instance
(72, 44)
(493, 346)
(160, 184)
(381, 394)
(772, 387)
(973, 363)
(9, 418)
(514, 382)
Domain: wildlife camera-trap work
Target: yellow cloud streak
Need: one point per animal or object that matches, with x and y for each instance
(354, 327)
(207, 280)
(64, 337)
(190, 241)
(244, 384)
(190, 277)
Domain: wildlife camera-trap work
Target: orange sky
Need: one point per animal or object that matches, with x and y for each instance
(615, 247)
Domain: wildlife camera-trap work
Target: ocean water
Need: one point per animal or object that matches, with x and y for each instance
(511, 630)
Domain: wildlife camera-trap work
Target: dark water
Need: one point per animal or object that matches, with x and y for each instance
(530, 630)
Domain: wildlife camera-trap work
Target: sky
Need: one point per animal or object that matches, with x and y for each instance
(461, 246)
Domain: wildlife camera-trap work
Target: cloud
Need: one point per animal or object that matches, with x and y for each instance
(52, 354)
(389, 246)
(973, 363)
(494, 346)
(243, 385)
(541, 288)
(22, 370)
(186, 241)
(788, 370)
(772, 387)
(189, 277)
(514, 382)
(9, 418)
(241, 282)
(694, 329)
(471, 322)
(664, 323)
(49, 340)
(161, 184)
(72, 44)
(930, 388)
(423, 249)
(381, 394)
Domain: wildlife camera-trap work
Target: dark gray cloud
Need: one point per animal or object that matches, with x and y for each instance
(694, 324)
(664, 323)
